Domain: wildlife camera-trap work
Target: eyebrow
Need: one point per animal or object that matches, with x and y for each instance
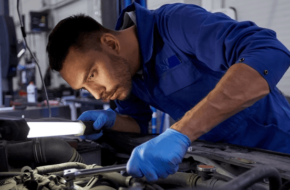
(87, 72)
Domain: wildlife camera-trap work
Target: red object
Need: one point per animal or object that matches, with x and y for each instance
(22, 93)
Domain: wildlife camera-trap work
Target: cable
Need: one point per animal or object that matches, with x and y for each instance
(32, 55)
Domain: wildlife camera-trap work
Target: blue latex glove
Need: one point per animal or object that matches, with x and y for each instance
(103, 119)
(158, 157)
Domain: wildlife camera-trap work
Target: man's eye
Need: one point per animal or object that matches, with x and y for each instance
(91, 76)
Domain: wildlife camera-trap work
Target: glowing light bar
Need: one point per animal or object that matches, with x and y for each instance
(49, 129)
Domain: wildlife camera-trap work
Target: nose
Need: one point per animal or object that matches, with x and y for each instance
(96, 95)
(96, 91)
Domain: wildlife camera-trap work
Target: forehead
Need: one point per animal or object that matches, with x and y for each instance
(75, 65)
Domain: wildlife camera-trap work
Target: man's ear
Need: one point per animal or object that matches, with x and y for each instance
(111, 42)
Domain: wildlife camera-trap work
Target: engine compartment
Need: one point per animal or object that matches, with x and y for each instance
(42, 163)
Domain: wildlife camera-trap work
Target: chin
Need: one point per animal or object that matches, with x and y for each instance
(124, 95)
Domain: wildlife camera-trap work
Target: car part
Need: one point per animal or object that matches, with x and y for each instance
(248, 178)
(222, 164)
(43, 151)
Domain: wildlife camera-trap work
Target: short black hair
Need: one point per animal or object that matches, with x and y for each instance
(78, 31)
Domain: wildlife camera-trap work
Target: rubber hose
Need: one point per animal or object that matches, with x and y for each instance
(285, 186)
(189, 180)
(180, 179)
(76, 157)
(10, 174)
(252, 176)
(43, 151)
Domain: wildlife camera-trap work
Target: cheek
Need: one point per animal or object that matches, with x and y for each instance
(115, 76)
(107, 78)
(112, 81)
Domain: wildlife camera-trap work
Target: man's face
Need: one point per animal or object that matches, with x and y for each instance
(105, 75)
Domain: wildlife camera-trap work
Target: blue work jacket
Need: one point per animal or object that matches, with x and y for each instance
(185, 52)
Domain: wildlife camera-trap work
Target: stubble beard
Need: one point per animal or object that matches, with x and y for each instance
(123, 75)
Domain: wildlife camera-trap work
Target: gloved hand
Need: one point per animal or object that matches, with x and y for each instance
(103, 119)
(158, 157)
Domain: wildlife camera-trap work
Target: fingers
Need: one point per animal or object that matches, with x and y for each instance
(173, 170)
(87, 116)
(158, 157)
(163, 175)
(133, 165)
(138, 168)
(134, 170)
(101, 118)
(99, 122)
(150, 174)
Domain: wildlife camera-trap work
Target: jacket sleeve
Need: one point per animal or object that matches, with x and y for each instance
(219, 42)
(137, 109)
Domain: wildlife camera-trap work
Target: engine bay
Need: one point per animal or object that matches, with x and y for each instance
(63, 163)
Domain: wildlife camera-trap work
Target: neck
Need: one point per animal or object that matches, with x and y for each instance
(131, 52)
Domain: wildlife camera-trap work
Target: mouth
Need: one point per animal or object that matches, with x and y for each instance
(113, 96)
(109, 97)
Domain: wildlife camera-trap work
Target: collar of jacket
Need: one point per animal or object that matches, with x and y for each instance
(145, 29)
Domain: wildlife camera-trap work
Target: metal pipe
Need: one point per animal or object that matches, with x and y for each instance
(59, 167)
(94, 171)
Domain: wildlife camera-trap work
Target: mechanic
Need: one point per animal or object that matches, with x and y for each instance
(215, 76)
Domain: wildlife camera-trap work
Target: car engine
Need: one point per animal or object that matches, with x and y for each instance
(69, 163)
